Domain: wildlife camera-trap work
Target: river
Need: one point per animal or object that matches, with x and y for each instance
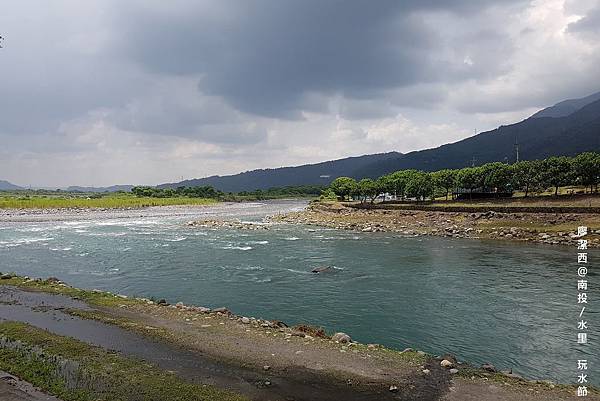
(485, 301)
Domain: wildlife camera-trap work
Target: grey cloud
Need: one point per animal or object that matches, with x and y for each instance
(589, 24)
(149, 90)
(264, 56)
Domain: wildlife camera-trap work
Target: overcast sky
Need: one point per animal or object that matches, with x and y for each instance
(143, 92)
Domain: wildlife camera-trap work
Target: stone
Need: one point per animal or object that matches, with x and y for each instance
(162, 302)
(488, 367)
(426, 371)
(222, 309)
(179, 305)
(245, 320)
(266, 367)
(393, 389)
(341, 338)
(446, 364)
(454, 371)
(407, 350)
(514, 376)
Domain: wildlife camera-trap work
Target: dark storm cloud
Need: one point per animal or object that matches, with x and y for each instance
(265, 57)
(151, 90)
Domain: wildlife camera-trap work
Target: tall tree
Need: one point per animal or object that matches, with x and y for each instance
(344, 187)
(444, 179)
(496, 176)
(586, 168)
(557, 172)
(526, 175)
(397, 182)
(369, 188)
(420, 185)
(469, 178)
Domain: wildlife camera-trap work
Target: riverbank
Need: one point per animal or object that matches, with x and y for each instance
(267, 359)
(534, 227)
(94, 201)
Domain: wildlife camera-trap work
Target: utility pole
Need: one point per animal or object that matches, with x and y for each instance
(516, 149)
(473, 162)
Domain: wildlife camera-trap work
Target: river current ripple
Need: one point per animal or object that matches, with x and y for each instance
(484, 301)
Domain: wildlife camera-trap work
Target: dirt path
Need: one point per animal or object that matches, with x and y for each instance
(372, 367)
(224, 358)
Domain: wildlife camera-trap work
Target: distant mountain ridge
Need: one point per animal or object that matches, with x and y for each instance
(7, 186)
(567, 107)
(113, 188)
(310, 174)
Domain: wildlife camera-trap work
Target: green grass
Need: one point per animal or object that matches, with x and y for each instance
(104, 201)
(94, 298)
(101, 375)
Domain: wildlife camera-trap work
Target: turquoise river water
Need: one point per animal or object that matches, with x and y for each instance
(512, 305)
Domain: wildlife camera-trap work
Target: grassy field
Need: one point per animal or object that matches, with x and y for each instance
(121, 200)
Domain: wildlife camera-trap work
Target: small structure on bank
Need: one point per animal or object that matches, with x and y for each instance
(480, 193)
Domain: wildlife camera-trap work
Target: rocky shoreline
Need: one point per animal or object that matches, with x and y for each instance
(543, 228)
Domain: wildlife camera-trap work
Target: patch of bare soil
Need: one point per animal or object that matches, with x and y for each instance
(14, 389)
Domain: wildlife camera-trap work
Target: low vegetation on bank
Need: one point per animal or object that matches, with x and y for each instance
(145, 197)
(298, 191)
(65, 200)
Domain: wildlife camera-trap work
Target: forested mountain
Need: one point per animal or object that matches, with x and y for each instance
(310, 174)
(536, 137)
(568, 128)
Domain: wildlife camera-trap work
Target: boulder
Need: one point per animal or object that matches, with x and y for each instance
(245, 320)
(341, 338)
(446, 364)
(488, 367)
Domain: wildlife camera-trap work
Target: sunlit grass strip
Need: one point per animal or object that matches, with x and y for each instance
(92, 297)
(110, 202)
(75, 371)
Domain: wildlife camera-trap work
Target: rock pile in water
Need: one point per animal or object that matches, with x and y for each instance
(233, 224)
